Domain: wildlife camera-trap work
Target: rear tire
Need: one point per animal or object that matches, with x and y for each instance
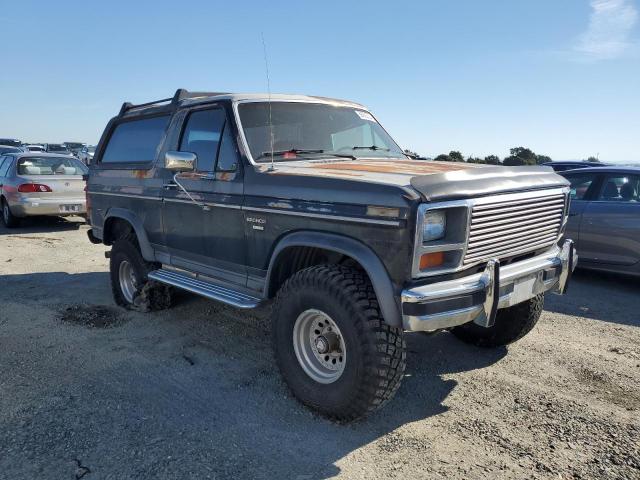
(8, 218)
(511, 324)
(129, 283)
(363, 368)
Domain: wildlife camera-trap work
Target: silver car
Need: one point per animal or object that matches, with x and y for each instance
(40, 184)
(604, 219)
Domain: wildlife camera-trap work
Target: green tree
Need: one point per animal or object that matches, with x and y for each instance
(543, 159)
(521, 156)
(592, 159)
(456, 156)
(492, 160)
(414, 155)
(475, 160)
(443, 158)
(513, 161)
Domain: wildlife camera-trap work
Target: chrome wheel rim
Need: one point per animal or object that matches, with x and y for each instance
(319, 346)
(128, 283)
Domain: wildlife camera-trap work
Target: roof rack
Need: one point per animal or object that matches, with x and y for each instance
(180, 94)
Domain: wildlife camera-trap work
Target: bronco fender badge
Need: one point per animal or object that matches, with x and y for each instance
(258, 222)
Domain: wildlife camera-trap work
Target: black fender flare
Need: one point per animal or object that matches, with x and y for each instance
(355, 249)
(145, 247)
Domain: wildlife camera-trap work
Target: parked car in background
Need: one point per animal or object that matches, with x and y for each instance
(572, 165)
(10, 142)
(34, 148)
(604, 218)
(9, 149)
(57, 148)
(86, 154)
(40, 184)
(74, 147)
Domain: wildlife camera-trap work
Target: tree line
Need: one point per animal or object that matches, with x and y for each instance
(518, 156)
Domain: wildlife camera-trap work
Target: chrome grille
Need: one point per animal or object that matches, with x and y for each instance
(512, 225)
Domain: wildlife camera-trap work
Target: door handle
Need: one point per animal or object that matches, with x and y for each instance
(169, 186)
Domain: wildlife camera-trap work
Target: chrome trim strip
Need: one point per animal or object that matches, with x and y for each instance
(112, 194)
(394, 223)
(171, 200)
(208, 204)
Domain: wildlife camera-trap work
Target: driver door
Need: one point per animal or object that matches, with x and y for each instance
(205, 233)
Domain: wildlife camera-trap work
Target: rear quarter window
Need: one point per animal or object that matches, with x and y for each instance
(135, 141)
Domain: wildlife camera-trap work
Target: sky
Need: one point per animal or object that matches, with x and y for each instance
(559, 77)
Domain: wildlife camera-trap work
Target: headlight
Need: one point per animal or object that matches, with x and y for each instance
(440, 237)
(434, 226)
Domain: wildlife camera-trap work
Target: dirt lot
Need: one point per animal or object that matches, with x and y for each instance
(88, 390)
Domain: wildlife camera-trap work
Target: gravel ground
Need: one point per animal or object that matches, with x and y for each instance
(88, 390)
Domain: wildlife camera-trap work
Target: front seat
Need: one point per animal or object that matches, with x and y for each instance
(628, 193)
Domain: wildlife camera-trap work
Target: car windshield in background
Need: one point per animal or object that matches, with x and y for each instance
(91, 149)
(312, 130)
(57, 148)
(50, 166)
(10, 142)
(74, 145)
(5, 149)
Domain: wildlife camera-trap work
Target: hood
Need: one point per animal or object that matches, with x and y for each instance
(435, 181)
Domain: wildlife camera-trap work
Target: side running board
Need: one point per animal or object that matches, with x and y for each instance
(206, 289)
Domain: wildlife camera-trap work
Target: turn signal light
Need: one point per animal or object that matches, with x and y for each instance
(33, 188)
(430, 260)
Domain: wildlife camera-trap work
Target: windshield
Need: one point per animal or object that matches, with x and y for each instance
(73, 145)
(57, 148)
(4, 149)
(50, 166)
(304, 130)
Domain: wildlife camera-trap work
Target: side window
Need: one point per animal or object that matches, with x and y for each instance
(202, 136)
(135, 141)
(620, 188)
(580, 184)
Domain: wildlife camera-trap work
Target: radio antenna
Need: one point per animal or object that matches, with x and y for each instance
(266, 66)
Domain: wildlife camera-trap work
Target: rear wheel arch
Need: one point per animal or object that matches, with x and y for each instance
(300, 250)
(120, 222)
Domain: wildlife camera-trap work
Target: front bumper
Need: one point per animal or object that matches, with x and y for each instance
(478, 297)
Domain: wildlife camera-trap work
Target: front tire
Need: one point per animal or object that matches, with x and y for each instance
(511, 324)
(129, 283)
(331, 344)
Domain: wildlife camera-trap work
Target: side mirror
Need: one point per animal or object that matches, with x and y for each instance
(180, 161)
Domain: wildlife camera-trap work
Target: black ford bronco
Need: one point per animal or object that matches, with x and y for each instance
(308, 203)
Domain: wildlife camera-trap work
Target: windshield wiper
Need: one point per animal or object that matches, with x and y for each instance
(372, 147)
(299, 151)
